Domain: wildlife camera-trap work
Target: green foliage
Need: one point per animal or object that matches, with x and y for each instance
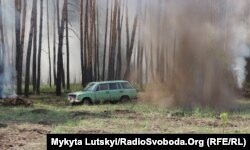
(224, 118)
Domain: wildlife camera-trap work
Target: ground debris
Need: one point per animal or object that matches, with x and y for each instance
(92, 132)
(39, 131)
(17, 101)
(2, 125)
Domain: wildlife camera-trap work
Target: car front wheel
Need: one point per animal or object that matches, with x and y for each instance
(87, 102)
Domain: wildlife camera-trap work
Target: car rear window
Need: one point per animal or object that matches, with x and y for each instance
(113, 86)
(125, 85)
(103, 87)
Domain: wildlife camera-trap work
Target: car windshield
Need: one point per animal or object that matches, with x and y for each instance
(89, 87)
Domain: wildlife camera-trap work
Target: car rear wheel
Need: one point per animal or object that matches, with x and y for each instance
(124, 99)
(87, 102)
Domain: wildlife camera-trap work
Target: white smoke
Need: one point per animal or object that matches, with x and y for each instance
(240, 36)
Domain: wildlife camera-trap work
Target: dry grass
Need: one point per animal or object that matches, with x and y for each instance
(26, 127)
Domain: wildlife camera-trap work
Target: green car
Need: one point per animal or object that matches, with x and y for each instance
(108, 91)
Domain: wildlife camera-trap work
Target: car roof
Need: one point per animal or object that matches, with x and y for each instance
(105, 82)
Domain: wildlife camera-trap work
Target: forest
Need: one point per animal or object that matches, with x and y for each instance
(188, 59)
(100, 56)
(60, 42)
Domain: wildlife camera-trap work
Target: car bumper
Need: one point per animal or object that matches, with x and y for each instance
(73, 100)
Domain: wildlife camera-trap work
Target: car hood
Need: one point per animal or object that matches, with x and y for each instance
(79, 93)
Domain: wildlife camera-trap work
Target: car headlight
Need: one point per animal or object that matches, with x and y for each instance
(71, 97)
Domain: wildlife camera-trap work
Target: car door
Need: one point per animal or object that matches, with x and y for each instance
(102, 93)
(128, 90)
(115, 91)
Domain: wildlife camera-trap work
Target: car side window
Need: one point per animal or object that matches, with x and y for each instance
(98, 88)
(125, 85)
(113, 86)
(119, 85)
(103, 87)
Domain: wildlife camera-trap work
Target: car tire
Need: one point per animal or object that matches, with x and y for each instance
(87, 102)
(124, 99)
(113, 102)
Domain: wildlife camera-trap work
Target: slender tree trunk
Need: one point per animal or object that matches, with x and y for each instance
(18, 45)
(95, 51)
(67, 46)
(146, 65)
(105, 42)
(54, 45)
(119, 56)
(39, 49)
(60, 45)
(50, 75)
(86, 43)
(111, 71)
(82, 43)
(91, 52)
(63, 73)
(97, 46)
(127, 39)
(23, 35)
(34, 75)
(151, 60)
(28, 56)
(96, 42)
(90, 46)
(110, 35)
(131, 46)
(2, 51)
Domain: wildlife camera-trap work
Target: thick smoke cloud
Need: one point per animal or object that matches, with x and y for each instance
(205, 43)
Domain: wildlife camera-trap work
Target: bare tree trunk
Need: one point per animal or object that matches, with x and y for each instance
(127, 39)
(2, 52)
(18, 45)
(34, 75)
(95, 40)
(111, 71)
(28, 57)
(105, 42)
(60, 45)
(3, 49)
(151, 60)
(54, 45)
(110, 35)
(40, 49)
(23, 35)
(146, 65)
(67, 46)
(63, 73)
(119, 56)
(131, 46)
(90, 46)
(86, 42)
(50, 75)
(97, 45)
(82, 43)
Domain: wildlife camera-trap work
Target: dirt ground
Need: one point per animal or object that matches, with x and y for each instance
(29, 131)
(23, 136)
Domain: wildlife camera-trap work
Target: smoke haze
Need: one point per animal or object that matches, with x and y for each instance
(205, 43)
(195, 50)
